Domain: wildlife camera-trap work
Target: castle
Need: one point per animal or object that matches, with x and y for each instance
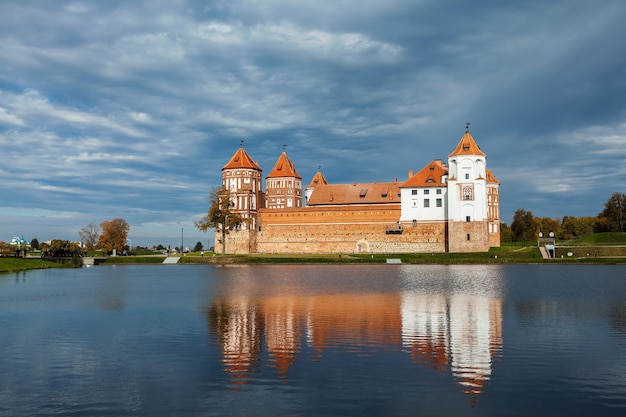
(444, 207)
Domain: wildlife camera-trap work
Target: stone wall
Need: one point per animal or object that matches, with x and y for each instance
(238, 242)
(458, 233)
(359, 229)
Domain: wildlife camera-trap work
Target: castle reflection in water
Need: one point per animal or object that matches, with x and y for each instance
(457, 331)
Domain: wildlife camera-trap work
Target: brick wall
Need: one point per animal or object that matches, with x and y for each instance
(458, 236)
(358, 229)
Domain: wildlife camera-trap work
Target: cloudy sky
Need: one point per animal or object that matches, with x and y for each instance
(130, 108)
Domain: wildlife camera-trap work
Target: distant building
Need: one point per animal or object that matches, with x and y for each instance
(444, 207)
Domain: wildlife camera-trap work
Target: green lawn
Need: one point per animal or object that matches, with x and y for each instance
(21, 264)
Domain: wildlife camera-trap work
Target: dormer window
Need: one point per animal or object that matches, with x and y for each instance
(363, 192)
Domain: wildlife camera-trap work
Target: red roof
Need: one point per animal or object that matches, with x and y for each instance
(430, 176)
(241, 159)
(284, 168)
(318, 179)
(491, 179)
(339, 194)
(467, 146)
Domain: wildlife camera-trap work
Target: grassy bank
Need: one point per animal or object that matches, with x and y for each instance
(571, 253)
(23, 264)
(503, 255)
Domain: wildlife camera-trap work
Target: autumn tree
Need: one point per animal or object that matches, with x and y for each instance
(612, 217)
(89, 235)
(506, 235)
(547, 225)
(220, 215)
(577, 227)
(524, 227)
(114, 235)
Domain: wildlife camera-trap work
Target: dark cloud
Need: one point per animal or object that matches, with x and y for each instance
(117, 109)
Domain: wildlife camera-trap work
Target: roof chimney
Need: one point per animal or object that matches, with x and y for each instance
(410, 173)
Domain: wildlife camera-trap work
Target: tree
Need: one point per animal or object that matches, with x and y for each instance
(547, 225)
(524, 226)
(505, 233)
(34, 243)
(220, 216)
(114, 235)
(62, 249)
(198, 247)
(577, 227)
(89, 235)
(612, 217)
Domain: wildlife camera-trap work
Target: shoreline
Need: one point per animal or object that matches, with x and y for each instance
(9, 265)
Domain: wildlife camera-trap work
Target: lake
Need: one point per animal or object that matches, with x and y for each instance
(314, 340)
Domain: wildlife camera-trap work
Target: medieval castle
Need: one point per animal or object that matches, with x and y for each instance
(453, 207)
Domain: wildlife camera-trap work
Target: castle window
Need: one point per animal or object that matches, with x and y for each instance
(467, 176)
(467, 219)
(468, 236)
(438, 190)
(414, 223)
(413, 192)
(439, 202)
(426, 203)
(426, 192)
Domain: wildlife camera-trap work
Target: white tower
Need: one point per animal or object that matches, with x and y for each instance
(468, 208)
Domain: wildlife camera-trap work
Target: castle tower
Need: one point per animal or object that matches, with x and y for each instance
(468, 201)
(493, 209)
(283, 185)
(318, 179)
(242, 177)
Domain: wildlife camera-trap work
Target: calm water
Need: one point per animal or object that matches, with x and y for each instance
(384, 340)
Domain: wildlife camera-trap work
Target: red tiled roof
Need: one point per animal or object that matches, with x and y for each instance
(372, 193)
(467, 146)
(318, 179)
(284, 168)
(491, 179)
(430, 176)
(241, 159)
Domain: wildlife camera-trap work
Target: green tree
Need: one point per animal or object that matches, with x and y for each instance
(524, 227)
(89, 235)
(198, 247)
(506, 235)
(220, 216)
(612, 217)
(34, 243)
(114, 235)
(63, 248)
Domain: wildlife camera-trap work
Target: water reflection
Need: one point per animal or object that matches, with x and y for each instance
(440, 318)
